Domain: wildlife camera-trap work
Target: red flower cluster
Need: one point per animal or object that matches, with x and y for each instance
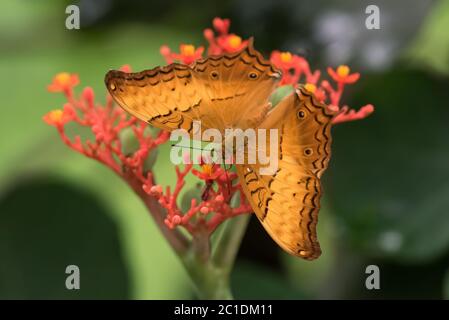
(224, 42)
(188, 54)
(107, 123)
(214, 207)
(293, 67)
(63, 82)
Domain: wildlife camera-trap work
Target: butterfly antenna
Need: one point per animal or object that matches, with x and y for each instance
(187, 147)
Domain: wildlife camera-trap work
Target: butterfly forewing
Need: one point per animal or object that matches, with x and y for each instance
(225, 91)
(238, 85)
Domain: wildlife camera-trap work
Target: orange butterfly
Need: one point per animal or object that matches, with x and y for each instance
(232, 91)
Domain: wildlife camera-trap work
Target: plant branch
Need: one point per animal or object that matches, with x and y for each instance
(176, 239)
(228, 244)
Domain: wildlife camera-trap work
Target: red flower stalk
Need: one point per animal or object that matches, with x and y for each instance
(63, 82)
(188, 54)
(106, 123)
(224, 42)
(347, 114)
(58, 118)
(212, 210)
(342, 77)
(293, 67)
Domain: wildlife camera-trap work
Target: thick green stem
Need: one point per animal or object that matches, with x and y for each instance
(210, 271)
(228, 244)
(210, 282)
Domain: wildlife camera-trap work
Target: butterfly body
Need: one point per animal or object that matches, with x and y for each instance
(232, 91)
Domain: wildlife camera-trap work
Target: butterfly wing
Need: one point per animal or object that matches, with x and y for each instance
(287, 202)
(165, 97)
(212, 91)
(238, 86)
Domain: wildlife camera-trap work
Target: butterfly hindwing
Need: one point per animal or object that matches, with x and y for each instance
(287, 202)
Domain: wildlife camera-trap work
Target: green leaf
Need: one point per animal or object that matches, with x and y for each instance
(130, 144)
(40, 236)
(280, 94)
(431, 46)
(425, 238)
(388, 174)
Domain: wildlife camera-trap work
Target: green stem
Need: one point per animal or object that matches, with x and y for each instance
(228, 244)
(210, 271)
(211, 283)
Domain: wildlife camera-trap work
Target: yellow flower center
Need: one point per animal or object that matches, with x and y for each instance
(234, 41)
(187, 50)
(63, 78)
(310, 87)
(55, 115)
(343, 70)
(207, 168)
(286, 56)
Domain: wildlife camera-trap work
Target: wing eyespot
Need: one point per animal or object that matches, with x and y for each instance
(112, 87)
(308, 152)
(214, 75)
(301, 114)
(253, 75)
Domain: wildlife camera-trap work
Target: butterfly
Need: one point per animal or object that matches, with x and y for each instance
(233, 91)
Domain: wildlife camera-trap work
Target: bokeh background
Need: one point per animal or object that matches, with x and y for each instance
(386, 196)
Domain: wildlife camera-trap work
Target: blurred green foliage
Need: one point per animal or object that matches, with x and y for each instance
(393, 167)
(431, 46)
(386, 191)
(67, 225)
